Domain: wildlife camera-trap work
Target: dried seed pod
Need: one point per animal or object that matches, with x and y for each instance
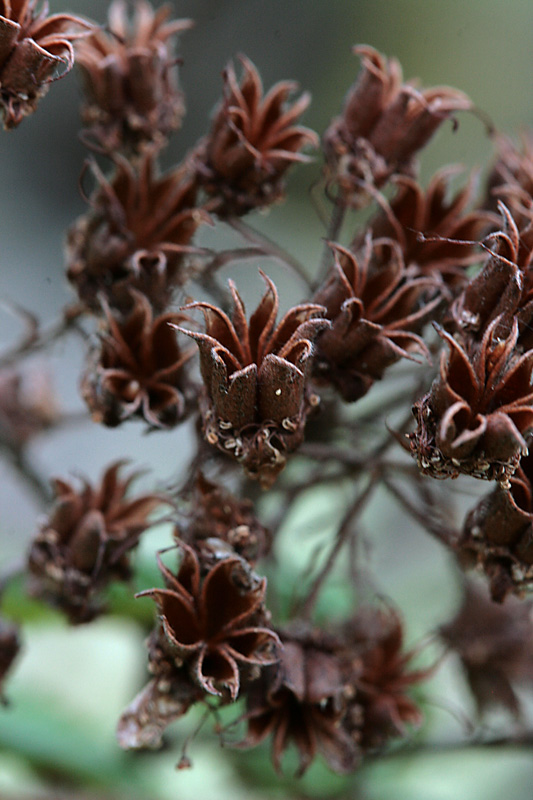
(478, 415)
(375, 637)
(136, 369)
(496, 291)
(86, 540)
(254, 139)
(217, 514)
(129, 74)
(35, 49)
(213, 620)
(434, 228)
(498, 534)
(135, 235)
(384, 123)
(377, 308)
(306, 700)
(255, 375)
(511, 178)
(495, 645)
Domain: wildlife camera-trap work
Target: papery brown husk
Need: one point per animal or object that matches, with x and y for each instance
(86, 540)
(256, 395)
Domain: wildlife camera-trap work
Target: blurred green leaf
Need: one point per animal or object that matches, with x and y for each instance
(63, 745)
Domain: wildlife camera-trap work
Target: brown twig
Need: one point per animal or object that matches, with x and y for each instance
(37, 340)
(427, 516)
(269, 248)
(33, 480)
(521, 739)
(344, 531)
(333, 233)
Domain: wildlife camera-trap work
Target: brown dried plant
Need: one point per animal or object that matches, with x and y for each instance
(304, 649)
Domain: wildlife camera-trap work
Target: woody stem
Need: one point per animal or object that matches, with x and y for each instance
(333, 233)
(427, 516)
(30, 476)
(523, 739)
(36, 340)
(344, 531)
(269, 247)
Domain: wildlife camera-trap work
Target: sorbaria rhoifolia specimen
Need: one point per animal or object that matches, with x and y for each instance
(422, 301)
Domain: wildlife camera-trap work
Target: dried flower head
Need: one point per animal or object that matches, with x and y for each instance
(86, 540)
(253, 140)
(500, 289)
(129, 79)
(384, 123)
(376, 307)
(217, 514)
(255, 375)
(34, 48)
(305, 700)
(375, 635)
(495, 645)
(136, 369)
(213, 620)
(498, 534)
(135, 235)
(9, 649)
(28, 406)
(478, 415)
(163, 700)
(434, 228)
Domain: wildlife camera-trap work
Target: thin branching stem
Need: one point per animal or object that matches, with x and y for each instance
(344, 531)
(37, 339)
(333, 234)
(31, 477)
(521, 739)
(270, 248)
(426, 516)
